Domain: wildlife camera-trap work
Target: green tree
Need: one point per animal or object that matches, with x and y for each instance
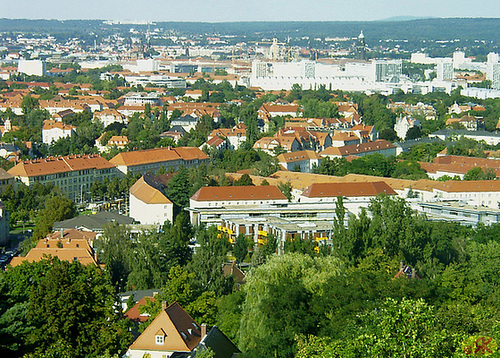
(69, 310)
(240, 248)
(279, 303)
(57, 208)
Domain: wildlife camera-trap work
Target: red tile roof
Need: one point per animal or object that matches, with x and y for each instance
(347, 189)
(235, 193)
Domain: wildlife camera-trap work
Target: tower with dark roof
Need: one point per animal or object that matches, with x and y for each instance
(361, 47)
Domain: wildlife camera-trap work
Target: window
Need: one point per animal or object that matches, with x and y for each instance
(160, 339)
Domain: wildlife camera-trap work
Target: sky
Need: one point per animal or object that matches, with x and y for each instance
(245, 10)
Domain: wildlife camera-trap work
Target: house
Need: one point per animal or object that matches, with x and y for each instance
(187, 122)
(95, 222)
(150, 160)
(175, 133)
(172, 332)
(9, 151)
(148, 204)
(109, 116)
(61, 115)
(303, 161)
(341, 139)
(236, 135)
(217, 143)
(117, 141)
(454, 165)
(5, 179)
(270, 110)
(379, 146)
(403, 124)
(74, 174)
(470, 123)
(53, 131)
(67, 245)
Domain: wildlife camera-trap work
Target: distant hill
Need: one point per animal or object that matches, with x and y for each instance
(407, 18)
(421, 29)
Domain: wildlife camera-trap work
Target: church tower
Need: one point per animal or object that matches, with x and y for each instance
(361, 47)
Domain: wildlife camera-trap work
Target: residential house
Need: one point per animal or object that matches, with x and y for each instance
(10, 152)
(5, 179)
(148, 203)
(236, 135)
(61, 115)
(67, 245)
(470, 123)
(303, 161)
(187, 122)
(403, 124)
(172, 332)
(379, 146)
(117, 141)
(53, 131)
(73, 174)
(175, 133)
(341, 139)
(109, 116)
(94, 222)
(270, 110)
(454, 165)
(269, 144)
(150, 160)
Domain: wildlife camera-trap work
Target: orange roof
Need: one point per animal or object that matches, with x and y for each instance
(64, 254)
(298, 156)
(53, 165)
(134, 315)
(234, 193)
(347, 189)
(158, 155)
(455, 186)
(180, 332)
(50, 124)
(355, 149)
(147, 193)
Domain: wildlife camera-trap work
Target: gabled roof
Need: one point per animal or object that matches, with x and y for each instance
(347, 189)
(147, 193)
(298, 156)
(219, 193)
(134, 315)
(158, 155)
(355, 149)
(83, 255)
(53, 165)
(181, 332)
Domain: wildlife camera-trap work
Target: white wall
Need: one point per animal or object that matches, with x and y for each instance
(150, 214)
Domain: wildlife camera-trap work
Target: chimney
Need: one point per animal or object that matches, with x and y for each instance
(163, 305)
(401, 265)
(62, 233)
(413, 273)
(203, 330)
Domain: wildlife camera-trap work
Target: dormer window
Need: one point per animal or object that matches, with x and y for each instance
(160, 339)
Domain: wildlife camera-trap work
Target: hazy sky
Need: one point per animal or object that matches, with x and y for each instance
(248, 10)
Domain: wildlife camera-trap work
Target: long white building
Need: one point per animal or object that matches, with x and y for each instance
(353, 76)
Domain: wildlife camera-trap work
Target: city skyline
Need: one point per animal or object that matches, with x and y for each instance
(258, 10)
